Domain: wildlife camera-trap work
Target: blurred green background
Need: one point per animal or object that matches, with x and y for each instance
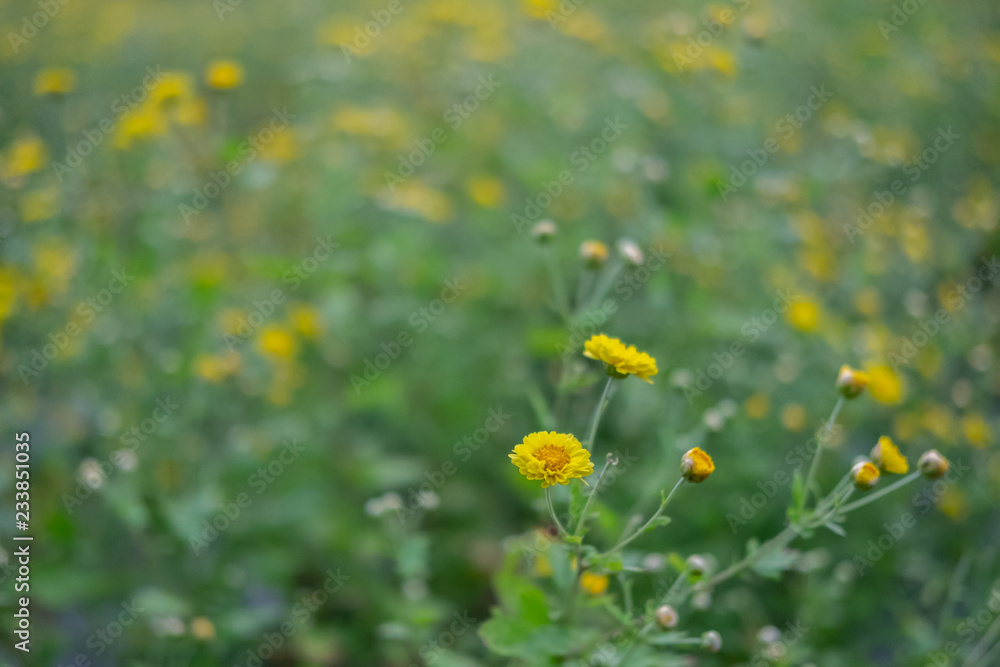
(262, 264)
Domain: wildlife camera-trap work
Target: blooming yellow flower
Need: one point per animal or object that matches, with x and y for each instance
(865, 475)
(594, 584)
(55, 82)
(885, 385)
(851, 382)
(886, 456)
(696, 465)
(625, 360)
(224, 74)
(552, 457)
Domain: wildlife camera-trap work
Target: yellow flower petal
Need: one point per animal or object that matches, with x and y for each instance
(553, 458)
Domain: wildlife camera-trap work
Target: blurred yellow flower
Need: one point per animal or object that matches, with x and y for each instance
(55, 81)
(217, 368)
(593, 253)
(976, 430)
(803, 314)
(486, 191)
(25, 156)
(954, 505)
(539, 8)
(416, 197)
(851, 382)
(624, 360)
(757, 406)
(9, 281)
(594, 584)
(939, 420)
(885, 385)
(793, 416)
(140, 124)
(305, 320)
(276, 342)
(886, 455)
(224, 74)
(171, 87)
(867, 301)
(542, 566)
(552, 457)
(696, 465)
(39, 204)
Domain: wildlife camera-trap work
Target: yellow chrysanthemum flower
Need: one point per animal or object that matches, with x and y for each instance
(865, 475)
(224, 74)
(594, 584)
(886, 455)
(55, 82)
(552, 457)
(625, 360)
(696, 465)
(885, 385)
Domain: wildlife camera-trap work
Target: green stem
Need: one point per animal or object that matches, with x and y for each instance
(552, 513)
(558, 285)
(780, 540)
(827, 429)
(590, 498)
(663, 506)
(586, 281)
(598, 412)
(878, 494)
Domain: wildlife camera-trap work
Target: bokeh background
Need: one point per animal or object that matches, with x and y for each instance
(272, 261)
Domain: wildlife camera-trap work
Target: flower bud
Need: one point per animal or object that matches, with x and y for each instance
(593, 254)
(851, 382)
(886, 456)
(711, 641)
(696, 465)
(864, 474)
(544, 231)
(667, 617)
(630, 252)
(697, 565)
(932, 464)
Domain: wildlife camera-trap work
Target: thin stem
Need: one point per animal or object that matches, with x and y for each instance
(590, 498)
(984, 644)
(663, 506)
(598, 412)
(681, 578)
(586, 281)
(878, 494)
(552, 513)
(604, 284)
(780, 540)
(558, 285)
(814, 466)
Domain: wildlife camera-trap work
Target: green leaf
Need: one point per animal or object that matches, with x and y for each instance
(515, 636)
(657, 522)
(771, 565)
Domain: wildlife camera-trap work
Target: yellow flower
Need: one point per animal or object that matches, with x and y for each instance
(886, 456)
(26, 155)
(552, 457)
(757, 406)
(884, 385)
(55, 82)
(171, 87)
(864, 474)
(276, 342)
(625, 360)
(543, 568)
(485, 190)
(851, 382)
(793, 416)
(593, 254)
(594, 584)
(305, 320)
(696, 465)
(224, 74)
(804, 315)
(976, 430)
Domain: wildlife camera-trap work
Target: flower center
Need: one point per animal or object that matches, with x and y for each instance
(555, 456)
